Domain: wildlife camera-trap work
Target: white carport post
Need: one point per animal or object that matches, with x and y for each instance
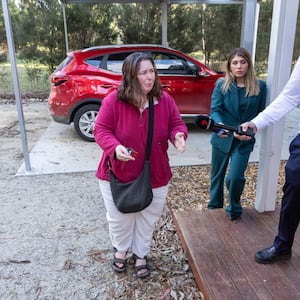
(65, 26)
(249, 26)
(279, 68)
(164, 22)
(11, 49)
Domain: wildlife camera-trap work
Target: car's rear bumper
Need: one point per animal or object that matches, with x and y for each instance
(61, 119)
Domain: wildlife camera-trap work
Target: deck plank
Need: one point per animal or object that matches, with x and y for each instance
(221, 255)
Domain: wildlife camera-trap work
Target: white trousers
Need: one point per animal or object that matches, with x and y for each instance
(133, 230)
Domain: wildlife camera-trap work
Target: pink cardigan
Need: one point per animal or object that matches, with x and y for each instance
(122, 123)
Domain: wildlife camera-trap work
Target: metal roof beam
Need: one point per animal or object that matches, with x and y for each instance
(157, 1)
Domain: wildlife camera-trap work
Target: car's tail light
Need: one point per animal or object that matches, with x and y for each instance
(58, 80)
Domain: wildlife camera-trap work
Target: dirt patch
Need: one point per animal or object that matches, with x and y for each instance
(9, 98)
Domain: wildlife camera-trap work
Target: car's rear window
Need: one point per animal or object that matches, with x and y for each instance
(169, 64)
(64, 63)
(94, 61)
(115, 62)
(112, 62)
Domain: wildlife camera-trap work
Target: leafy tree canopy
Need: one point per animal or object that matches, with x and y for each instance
(212, 30)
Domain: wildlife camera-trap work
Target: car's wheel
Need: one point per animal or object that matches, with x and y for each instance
(84, 120)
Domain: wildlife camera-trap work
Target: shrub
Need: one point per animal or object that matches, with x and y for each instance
(3, 57)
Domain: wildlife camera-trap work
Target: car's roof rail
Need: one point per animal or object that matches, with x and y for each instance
(123, 46)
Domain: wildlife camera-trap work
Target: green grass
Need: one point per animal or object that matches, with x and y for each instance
(32, 78)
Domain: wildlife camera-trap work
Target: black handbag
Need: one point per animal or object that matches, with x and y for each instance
(135, 195)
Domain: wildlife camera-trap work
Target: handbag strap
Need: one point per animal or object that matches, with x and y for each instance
(150, 128)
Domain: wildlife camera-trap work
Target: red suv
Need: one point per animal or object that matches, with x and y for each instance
(85, 77)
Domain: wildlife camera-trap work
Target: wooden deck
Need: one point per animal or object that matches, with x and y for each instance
(221, 255)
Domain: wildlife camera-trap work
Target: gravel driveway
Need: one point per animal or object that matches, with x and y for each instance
(54, 240)
(53, 233)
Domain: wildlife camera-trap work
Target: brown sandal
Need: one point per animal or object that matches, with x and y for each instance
(145, 266)
(120, 261)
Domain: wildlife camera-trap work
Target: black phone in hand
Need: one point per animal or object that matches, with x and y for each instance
(248, 132)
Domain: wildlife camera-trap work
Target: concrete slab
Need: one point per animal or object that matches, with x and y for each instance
(60, 150)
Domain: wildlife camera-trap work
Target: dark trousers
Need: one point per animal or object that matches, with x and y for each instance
(235, 179)
(290, 206)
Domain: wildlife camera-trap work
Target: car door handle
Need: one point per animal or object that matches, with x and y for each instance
(106, 86)
(165, 85)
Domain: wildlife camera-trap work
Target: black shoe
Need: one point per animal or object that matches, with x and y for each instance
(233, 217)
(269, 255)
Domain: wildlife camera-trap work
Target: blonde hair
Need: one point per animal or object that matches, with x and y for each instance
(251, 82)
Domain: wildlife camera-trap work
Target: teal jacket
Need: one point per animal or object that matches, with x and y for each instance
(225, 108)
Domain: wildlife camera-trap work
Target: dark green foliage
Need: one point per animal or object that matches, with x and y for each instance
(222, 31)
(213, 30)
(90, 25)
(38, 32)
(185, 28)
(139, 23)
(2, 29)
(263, 35)
(3, 57)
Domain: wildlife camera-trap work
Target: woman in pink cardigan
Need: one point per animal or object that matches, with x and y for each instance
(122, 123)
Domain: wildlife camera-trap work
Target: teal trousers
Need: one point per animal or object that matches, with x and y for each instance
(235, 179)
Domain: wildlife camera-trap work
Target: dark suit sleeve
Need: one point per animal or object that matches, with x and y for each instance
(217, 102)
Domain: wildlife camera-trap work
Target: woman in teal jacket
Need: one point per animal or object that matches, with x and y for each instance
(237, 98)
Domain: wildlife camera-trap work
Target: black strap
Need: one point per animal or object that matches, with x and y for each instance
(150, 128)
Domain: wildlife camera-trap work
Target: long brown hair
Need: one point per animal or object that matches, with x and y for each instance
(130, 90)
(251, 82)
